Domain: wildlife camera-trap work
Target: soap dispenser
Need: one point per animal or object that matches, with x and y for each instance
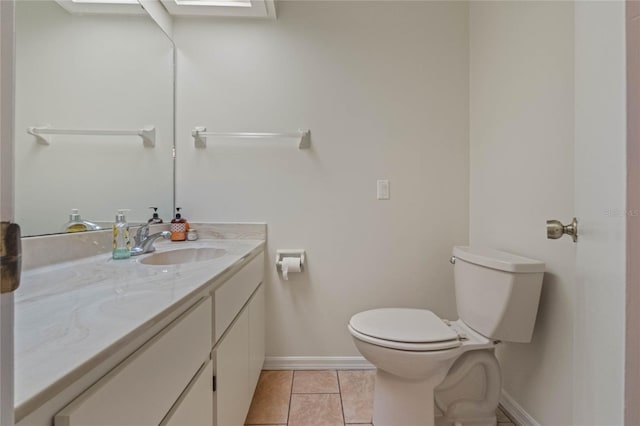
(121, 241)
(179, 227)
(155, 219)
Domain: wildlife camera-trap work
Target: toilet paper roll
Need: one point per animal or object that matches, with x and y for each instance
(290, 264)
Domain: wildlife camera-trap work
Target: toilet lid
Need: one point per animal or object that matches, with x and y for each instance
(403, 325)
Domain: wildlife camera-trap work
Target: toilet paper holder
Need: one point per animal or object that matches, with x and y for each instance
(281, 254)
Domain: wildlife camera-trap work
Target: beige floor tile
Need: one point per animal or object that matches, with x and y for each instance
(315, 410)
(270, 404)
(356, 388)
(321, 381)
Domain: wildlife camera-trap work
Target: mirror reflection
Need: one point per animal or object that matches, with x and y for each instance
(97, 92)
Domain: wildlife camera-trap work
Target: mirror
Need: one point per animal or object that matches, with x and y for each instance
(89, 84)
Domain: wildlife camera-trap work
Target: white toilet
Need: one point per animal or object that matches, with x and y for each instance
(422, 360)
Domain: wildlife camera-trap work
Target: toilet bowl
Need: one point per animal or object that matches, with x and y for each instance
(423, 361)
(409, 369)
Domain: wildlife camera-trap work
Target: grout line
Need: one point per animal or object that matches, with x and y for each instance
(293, 373)
(344, 419)
(312, 393)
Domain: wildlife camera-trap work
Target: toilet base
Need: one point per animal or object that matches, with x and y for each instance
(470, 393)
(400, 401)
(443, 421)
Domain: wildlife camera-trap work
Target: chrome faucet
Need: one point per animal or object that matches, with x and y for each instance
(144, 241)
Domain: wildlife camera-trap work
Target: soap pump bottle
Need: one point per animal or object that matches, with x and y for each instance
(179, 227)
(121, 241)
(77, 224)
(155, 219)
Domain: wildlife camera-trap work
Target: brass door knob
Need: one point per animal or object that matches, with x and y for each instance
(555, 229)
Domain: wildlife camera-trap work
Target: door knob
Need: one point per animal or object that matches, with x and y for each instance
(555, 229)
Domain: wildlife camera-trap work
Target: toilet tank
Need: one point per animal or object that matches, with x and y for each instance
(497, 293)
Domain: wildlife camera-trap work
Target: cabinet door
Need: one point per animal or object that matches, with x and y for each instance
(256, 337)
(232, 374)
(194, 407)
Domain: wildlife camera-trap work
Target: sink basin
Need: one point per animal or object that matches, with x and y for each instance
(186, 255)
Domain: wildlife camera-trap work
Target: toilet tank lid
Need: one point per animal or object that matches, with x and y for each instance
(496, 259)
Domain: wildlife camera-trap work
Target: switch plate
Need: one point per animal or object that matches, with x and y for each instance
(383, 189)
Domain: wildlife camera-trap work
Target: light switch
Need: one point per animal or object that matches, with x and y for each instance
(383, 189)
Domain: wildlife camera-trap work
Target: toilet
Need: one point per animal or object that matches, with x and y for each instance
(423, 362)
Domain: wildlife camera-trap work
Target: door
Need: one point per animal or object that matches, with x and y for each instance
(600, 205)
(6, 207)
(632, 343)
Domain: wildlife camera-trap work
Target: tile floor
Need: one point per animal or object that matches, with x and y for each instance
(318, 398)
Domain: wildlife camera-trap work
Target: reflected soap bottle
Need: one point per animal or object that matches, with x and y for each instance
(155, 219)
(77, 224)
(121, 241)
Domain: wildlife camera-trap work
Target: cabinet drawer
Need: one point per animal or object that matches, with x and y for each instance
(141, 390)
(231, 296)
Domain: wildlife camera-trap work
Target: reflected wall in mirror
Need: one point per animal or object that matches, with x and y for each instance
(91, 72)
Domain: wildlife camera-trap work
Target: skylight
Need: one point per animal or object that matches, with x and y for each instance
(125, 7)
(106, 1)
(231, 8)
(227, 3)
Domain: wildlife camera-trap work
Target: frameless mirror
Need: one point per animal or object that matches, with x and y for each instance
(94, 117)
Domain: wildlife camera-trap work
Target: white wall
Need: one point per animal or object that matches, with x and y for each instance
(91, 71)
(383, 86)
(521, 141)
(600, 157)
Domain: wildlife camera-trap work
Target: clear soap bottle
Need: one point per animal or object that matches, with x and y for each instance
(77, 224)
(121, 241)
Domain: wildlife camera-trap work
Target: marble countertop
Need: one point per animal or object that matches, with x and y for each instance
(68, 314)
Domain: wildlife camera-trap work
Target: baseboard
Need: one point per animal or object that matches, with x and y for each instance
(317, 363)
(515, 411)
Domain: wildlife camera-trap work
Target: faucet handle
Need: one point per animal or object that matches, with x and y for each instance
(142, 234)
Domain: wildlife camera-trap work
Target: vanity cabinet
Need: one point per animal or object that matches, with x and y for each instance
(238, 354)
(199, 370)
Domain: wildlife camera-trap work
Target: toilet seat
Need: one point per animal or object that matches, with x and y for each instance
(405, 329)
